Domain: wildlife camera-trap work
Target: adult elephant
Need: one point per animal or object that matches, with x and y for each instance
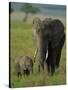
(49, 36)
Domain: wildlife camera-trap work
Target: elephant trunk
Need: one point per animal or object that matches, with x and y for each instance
(43, 51)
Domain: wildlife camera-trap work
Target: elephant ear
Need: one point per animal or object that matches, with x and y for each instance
(47, 28)
(36, 21)
(37, 24)
(57, 29)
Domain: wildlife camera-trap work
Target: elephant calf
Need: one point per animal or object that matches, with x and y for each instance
(23, 65)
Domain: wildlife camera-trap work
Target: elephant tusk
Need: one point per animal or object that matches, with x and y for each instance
(35, 54)
(46, 54)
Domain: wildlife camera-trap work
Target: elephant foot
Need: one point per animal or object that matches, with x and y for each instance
(52, 71)
(48, 66)
(19, 74)
(40, 69)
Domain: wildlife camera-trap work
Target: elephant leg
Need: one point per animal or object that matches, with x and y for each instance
(48, 64)
(42, 59)
(48, 61)
(41, 65)
(58, 58)
(59, 49)
(52, 67)
(19, 74)
(53, 61)
(31, 71)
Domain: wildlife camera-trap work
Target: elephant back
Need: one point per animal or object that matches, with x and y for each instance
(57, 29)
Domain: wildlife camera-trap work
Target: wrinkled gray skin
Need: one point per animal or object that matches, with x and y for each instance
(23, 65)
(49, 35)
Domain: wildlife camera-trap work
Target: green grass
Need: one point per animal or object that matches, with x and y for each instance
(22, 44)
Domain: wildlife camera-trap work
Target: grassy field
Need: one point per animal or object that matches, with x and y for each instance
(22, 44)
